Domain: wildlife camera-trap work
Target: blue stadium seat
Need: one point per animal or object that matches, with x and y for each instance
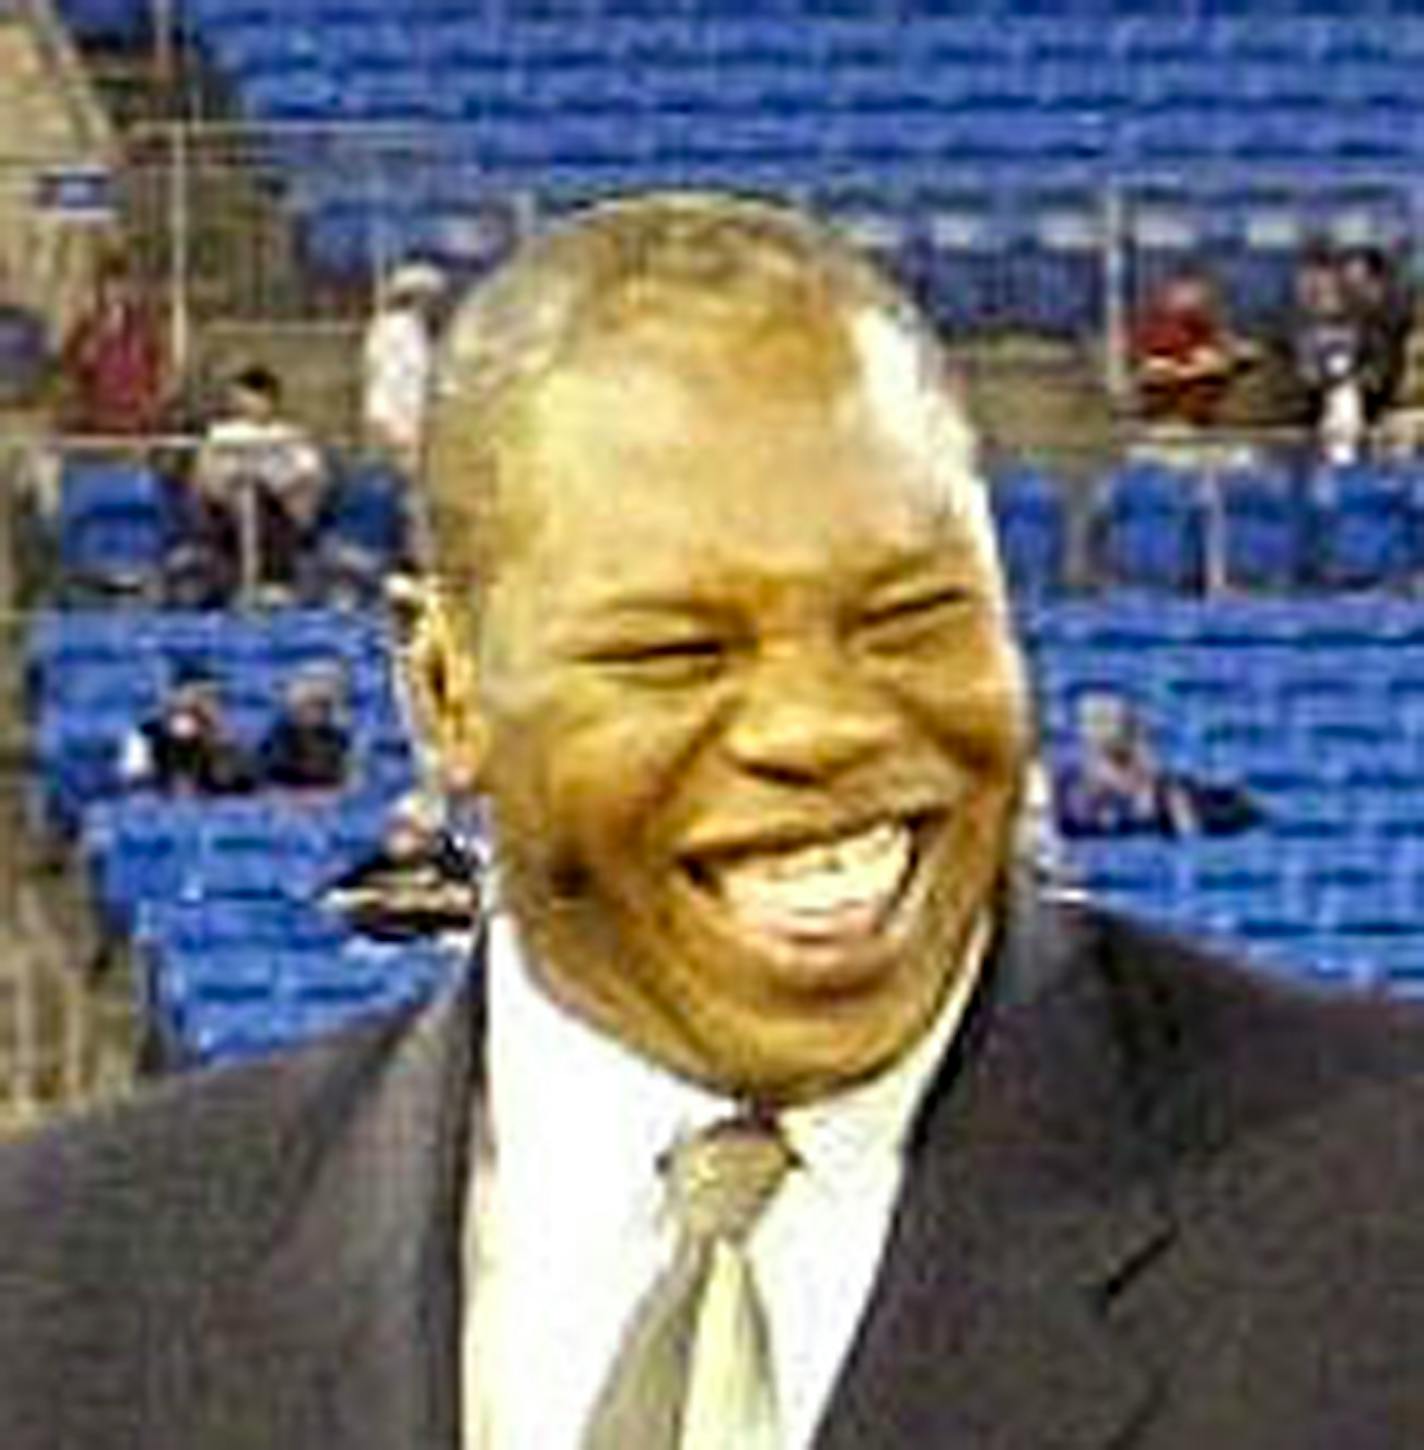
(1175, 136)
(1031, 523)
(129, 685)
(309, 93)
(1312, 814)
(76, 758)
(1133, 874)
(374, 94)
(1231, 882)
(110, 22)
(1263, 528)
(250, 46)
(1364, 528)
(1152, 529)
(115, 524)
(252, 849)
(275, 922)
(139, 848)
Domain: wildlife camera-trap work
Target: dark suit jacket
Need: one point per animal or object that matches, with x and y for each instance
(1151, 1204)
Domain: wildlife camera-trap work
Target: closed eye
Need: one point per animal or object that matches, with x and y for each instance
(914, 609)
(662, 661)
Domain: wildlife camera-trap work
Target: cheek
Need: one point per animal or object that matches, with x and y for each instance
(975, 712)
(585, 779)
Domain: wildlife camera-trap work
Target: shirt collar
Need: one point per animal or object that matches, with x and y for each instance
(554, 1078)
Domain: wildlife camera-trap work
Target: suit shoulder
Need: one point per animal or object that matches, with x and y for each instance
(188, 1155)
(1219, 1049)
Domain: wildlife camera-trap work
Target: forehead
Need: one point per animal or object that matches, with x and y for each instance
(722, 461)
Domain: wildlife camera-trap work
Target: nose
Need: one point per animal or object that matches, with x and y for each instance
(805, 720)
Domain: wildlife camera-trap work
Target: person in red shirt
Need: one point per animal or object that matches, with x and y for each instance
(113, 362)
(1183, 355)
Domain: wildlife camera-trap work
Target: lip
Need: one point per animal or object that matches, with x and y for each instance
(716, 848)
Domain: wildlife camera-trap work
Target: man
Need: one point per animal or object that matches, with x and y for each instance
(261, 484)
(420, 882)
(187, 746)
(1115, 785)
(724, 646)
(308, 746)
(397, 357)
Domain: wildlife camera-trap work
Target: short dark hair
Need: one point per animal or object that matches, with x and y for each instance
(255, 378)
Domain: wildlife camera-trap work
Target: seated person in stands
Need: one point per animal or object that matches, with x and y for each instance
(260, 483)
(420, 882)
(1184, 356)
(1117, 787)
(309, 743)
(1383, 312)
(113, 359)
(1325, 348)
(186, 748)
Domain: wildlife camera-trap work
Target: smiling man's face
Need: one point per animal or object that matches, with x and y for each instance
(751, 719)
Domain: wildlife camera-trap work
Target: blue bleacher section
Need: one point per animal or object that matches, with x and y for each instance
(221, 894)
(94, 674)
(1271, 526)
(237, 957)
(1209, 124)
(1314, 706)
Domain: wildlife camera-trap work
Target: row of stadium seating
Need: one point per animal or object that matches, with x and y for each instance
(1316, 708)
(117, 521)
(236, 955)
(1264, 527)
(1352, 527)
(93, 675)
(808, 103)
(1267, 29)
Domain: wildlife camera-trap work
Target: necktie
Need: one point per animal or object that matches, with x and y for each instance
(694, 1369)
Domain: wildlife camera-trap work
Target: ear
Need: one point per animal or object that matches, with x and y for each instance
(442, 682)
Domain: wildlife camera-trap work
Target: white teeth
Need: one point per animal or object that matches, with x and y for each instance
(834, 886)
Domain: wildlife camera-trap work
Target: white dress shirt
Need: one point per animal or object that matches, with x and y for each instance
(567, 1232)
(397, 359)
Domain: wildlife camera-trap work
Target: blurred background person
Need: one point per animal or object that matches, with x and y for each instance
(112, 362)
(309, 743)
(397, 356)
(259, 485)
(419, 882)
(1184, 354)
(1117, 786)
(187, 746)
(1383, 311)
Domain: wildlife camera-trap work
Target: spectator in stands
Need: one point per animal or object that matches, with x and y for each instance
(1324, 342)
(1184, 355)
(309, 744)
(113, 359)
(260, 484)
(397, 357)
(1118, 787)
(187, 747)
(1383, 311)
(420, 882)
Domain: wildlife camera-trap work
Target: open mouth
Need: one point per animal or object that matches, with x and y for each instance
(831, 895)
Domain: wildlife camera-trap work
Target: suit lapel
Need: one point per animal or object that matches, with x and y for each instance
(1028, 1210)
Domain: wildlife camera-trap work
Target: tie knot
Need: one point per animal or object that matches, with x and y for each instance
(720, 1180)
